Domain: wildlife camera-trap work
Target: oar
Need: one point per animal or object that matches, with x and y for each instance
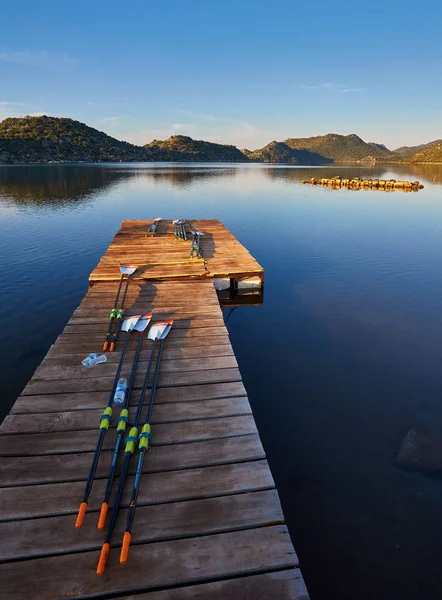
(157, 332)
(105, 421)
(143, 444)
(122, 421)
(153, 228)
(129, 270)
(113, 312)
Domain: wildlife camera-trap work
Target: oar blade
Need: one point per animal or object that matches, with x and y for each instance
(143, 322)
(159, 331)
(129, 324)
(128, 269)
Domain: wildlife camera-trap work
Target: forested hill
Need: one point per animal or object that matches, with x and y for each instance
(279, 152)
(341, 148)
(188, 149)
(53, 139)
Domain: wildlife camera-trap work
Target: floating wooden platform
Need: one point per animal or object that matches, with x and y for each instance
(209, 522)
(162, 257)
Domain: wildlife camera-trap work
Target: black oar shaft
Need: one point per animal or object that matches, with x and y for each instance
(131, 444)
(113, 314)
(143, 443)
(120, 314)
(105, 421)
(121, 428)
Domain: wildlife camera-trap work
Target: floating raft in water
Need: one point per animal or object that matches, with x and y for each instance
(355, 183)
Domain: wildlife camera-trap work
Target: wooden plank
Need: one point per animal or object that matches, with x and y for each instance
(95, 384)
(84, 401)
(85, 440)
(279, 585)
(27, 470)
(60, 358)
(72, 345)
(170, 486)
(162, 413)
(56, 535)
(64, 371)
(150, 566)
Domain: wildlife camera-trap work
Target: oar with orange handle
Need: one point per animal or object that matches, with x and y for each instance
(124, 270)
(105, 421)
(122, 421)
(157, 333)
(130, 269)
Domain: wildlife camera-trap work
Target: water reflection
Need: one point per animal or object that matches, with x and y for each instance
(55, 184)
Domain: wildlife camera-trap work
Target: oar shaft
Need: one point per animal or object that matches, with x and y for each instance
(113, 314)
(132, 507)
(145, 384)
(144, 442)
(105, 421)
(106, 546)
(121, 428)
(120, 314)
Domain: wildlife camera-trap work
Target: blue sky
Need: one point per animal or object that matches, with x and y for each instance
(242, 72)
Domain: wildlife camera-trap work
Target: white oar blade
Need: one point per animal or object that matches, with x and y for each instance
(129, 324)
(158, 331)
(128, 269)
(157, 219)
(143, 322)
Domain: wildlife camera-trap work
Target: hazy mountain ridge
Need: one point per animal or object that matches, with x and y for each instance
(340, 148)
(52, 139)
(280, 152)
(188, 149)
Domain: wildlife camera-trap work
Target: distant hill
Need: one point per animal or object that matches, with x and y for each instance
(432, 153)
(185, 148)
(279, 152)
(53, 139)
(341, 148)
(413, 153)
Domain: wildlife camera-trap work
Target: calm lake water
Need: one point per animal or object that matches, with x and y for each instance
(343, 357)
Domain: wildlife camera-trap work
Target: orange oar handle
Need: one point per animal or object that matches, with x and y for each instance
(103, 515)
(125, 548)
(103, 558)
(112, 346)
(81, 514)
(105, 345)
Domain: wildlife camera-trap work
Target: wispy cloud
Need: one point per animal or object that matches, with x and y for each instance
(111, 121)
(331, 87)
(42, 59)
(182, 126)
(198, 115)
(13, 104)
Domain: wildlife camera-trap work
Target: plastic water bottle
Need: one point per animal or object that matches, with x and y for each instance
(88, 361)
(100, 359)
(120, 392)
(93, 359)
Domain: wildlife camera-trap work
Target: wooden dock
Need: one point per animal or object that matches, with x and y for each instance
(209, 522)
(168, 259)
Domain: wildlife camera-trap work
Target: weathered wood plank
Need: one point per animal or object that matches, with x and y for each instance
(85, 440)
(164, 487)
(279, 585)
(27, 470)
(95, 384)
(90, 400)
(56, 535)
(60, 372)
(175, 562)
(162, 413)
(59, 358)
